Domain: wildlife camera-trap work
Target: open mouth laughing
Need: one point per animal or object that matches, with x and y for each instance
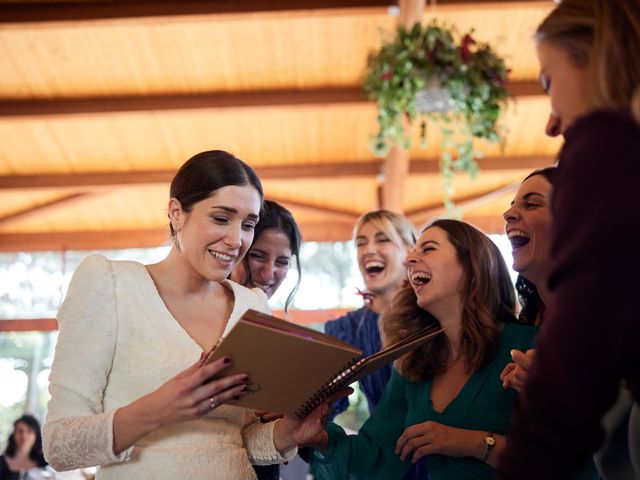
(518, 239)
(419, 279)
(374, 267)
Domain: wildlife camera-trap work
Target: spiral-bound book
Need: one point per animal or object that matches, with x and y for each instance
(293, 369)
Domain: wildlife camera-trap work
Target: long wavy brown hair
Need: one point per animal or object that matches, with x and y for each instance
(488, 300)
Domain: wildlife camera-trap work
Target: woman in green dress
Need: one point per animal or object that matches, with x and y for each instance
(445, 402)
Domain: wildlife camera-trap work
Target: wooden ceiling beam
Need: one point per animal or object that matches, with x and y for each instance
(143, 238)
(46, 108)
(53, 12)
(337, 215)
(277, 172)
(426, 213)
(42, 207)
(186, 101)
(79, 240)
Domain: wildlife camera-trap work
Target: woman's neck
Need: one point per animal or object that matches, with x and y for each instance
(381, 300)
(540, 281)
(22, 453)
(173, 275)
(544, 293)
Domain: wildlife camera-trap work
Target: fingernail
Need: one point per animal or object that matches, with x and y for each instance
(244, 389)
(511, 353)
(227, 360)
(263, 420)
(245, 378)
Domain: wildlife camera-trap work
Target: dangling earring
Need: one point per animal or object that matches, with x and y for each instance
(176, 242)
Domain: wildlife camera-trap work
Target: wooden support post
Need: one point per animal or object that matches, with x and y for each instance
(396, 165)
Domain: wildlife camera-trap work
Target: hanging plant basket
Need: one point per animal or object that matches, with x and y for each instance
(431, 73)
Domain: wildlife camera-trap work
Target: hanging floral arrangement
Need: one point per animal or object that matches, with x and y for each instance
(431, 72)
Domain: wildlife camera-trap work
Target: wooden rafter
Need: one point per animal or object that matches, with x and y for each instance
(204, 101)
(83, 240)
(42, 207)
(336, 214)
(27, 12)
(326, 231)
(427, 212)
(275, 172)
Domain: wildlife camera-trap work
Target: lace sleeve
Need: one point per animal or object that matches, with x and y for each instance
(77, 432)
(258, 440)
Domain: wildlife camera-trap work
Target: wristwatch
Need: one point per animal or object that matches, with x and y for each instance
(489, 443)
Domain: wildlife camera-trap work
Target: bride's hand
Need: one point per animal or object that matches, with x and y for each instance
(194, 392)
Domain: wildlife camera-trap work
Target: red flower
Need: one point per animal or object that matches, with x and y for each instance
(386, 76)
(467, 40)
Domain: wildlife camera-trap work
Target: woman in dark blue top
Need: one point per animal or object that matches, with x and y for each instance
(382, 239)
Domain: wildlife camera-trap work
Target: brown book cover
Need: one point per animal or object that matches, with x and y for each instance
(293, 368)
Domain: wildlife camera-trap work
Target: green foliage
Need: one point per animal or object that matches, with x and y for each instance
(428, 55)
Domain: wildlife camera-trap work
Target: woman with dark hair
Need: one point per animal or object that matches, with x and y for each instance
(443, 402)
(276, 241)
(125, 391)
(23, 458)
(528, 226)
(590, 67)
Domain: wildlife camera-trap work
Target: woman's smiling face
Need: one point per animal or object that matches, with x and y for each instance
(380, 259)
(217, 232)
(435, 273)
(529, 229)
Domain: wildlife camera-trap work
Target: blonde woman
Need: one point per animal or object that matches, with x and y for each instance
(383, 239)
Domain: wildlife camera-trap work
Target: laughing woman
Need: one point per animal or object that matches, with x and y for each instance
(590, 67)
(276, 242)
(445, 402)
(383, 239)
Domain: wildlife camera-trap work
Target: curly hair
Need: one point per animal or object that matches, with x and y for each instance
(488, 298)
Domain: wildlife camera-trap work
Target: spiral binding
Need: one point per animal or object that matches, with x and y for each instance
(342, 376)
(337, 381)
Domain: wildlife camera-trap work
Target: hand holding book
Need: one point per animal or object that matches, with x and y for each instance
(308, 431)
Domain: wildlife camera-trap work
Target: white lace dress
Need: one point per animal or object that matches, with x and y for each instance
(118, 342)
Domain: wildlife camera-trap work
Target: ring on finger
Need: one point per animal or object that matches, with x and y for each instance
(212, 404)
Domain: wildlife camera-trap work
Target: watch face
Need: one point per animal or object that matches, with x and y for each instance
(490, 441)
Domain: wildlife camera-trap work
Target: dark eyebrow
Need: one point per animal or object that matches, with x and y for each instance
(251, 216)
(526, 197)
(531, 194)
(424, 244)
